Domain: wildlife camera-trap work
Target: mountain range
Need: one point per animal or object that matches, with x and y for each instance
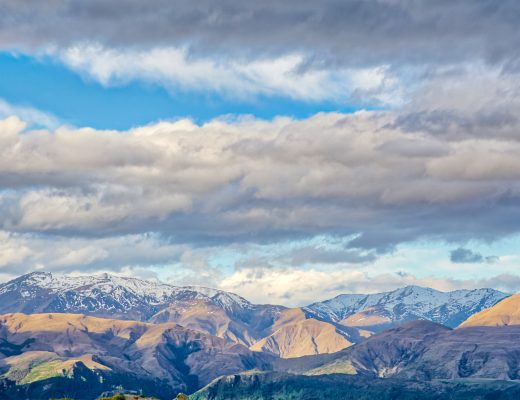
(376, 312)
(164, 357)
(424, 350)
(323, 327)
(76, 335)
(478, 360)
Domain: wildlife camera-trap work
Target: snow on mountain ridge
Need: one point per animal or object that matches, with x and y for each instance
(107, 294)
(123, 289)
(410, 301)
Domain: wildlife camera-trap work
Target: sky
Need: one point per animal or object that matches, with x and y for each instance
(285, 151)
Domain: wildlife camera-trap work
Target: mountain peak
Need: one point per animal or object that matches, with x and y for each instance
(106, 293)
(34, 278)
(415, 289)
(382, 310)
(36, 274)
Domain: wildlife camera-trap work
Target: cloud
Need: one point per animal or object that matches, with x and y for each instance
(354, 52)
(360, 175)
(23, 253)
(440, 163)
(466, 256)
(297, 287)
(30, 115)
(331, 32)
(283, 75)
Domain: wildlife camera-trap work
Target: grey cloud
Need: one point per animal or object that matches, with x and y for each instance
(316, 255)
(474, 101)
(329, 31)
(259, 181)
(463, 256)
(441, 122)
(299, 254)
(135, 254)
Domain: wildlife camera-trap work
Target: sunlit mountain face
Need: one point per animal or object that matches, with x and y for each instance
(286, 179)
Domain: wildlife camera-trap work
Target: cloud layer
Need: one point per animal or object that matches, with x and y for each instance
(433, 156)
(383, 177)
(346, 32)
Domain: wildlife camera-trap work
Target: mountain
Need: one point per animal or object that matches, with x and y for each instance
(324, 327)
(61, 352)
(506, 312)
(296, 335)
(325, 387)
(376, 312)
(105, 296)
(216, 312)
(423, 350)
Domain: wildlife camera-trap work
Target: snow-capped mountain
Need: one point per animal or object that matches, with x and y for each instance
(216, 312)
(105, 295)
(329, 325)
(381, 310)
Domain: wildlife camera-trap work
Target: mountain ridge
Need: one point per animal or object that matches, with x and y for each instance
(323, 327)
(40, 347)
(387, 309)
(424, 351)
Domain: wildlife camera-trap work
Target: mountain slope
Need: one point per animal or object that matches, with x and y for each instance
(423, 350)
(249, 386)
(319, 328)
(295, 335)
(215, 312)
(43, 347)
(506, 312)
(104, 295)
(212, 311)
(381, 311)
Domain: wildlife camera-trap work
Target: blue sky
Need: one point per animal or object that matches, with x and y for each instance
(286, 156)
(46, 84)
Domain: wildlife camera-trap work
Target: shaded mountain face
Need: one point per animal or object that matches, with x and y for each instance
(376, 312)
(62, 350)
(423, 350)
(326, 387)
(506, 312)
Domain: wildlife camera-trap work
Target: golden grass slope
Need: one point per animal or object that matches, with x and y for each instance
(506, 312)
(295, 336)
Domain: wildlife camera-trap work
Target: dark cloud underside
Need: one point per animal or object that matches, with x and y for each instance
(330, 32)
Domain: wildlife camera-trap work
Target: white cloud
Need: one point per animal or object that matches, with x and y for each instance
(297, 287)
(260, 273)
(176, 69)
(373, 179)
(30, 115)
(353, 174)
